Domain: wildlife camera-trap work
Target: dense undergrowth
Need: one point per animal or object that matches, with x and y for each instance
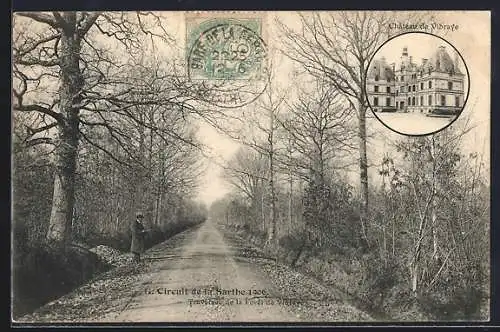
(371, 286)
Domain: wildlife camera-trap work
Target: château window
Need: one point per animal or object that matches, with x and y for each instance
(413, 88)
(450, 85)
(388, 89)
(375, 101)
(409, 101)
(421, 100)
(388, 101)
(402, 78)
(457, 101)
(375, 88)
(443, 100)
(430, 100)
(430, 84)
(421, 85)
(413, 101)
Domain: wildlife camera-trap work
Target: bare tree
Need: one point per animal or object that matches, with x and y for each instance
(338, 46)
(429, 188)
(320, 129)
(96, 87)
(260, 134)
(247, 172)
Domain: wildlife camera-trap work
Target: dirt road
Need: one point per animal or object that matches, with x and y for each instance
(207, 265)
(201, 277)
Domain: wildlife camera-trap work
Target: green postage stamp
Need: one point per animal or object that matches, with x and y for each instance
(229, 54)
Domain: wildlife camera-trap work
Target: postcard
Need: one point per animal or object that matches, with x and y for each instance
(250, 167)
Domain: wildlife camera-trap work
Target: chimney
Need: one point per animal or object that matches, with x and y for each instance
(411, 59)
(404, 57)
(424, 61)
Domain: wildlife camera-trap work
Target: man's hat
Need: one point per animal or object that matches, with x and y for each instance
(139, 214)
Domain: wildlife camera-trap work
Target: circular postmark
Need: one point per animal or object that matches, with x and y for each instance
(417, 84)
(230, 60)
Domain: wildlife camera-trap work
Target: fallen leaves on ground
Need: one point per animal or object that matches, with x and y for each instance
(111, 292)
(315, 302)
(111, 256)
(103, 294)
(108, 292)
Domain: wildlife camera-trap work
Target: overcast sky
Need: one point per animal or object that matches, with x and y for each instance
(473, 42)
(420, 45)
(472, 39)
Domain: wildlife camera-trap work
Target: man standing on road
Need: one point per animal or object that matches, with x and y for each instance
(137, 229)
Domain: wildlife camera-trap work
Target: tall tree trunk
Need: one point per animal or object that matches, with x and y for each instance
(393, 237)
(434, 202)
(71, 83)
(141, 187)
(156, 220)
(272, 219)
(151, 198)
(255, 211)
(363, 169)
(414, 280)
(290, 183)
(290, 204)
(262, 210)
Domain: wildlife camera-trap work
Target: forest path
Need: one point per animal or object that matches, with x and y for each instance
(205, 263)
(202, 259)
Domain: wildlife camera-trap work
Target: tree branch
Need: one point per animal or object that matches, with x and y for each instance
(60, 20)
(42, 18)
(88, 23)
(38, 108)
(38, 141)
(34, 131)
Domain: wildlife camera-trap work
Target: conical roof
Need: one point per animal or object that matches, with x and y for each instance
(381, 70)
(442, 62)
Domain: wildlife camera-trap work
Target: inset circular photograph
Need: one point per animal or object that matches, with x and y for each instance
(417, 84)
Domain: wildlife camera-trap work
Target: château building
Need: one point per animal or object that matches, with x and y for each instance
(434, 86)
